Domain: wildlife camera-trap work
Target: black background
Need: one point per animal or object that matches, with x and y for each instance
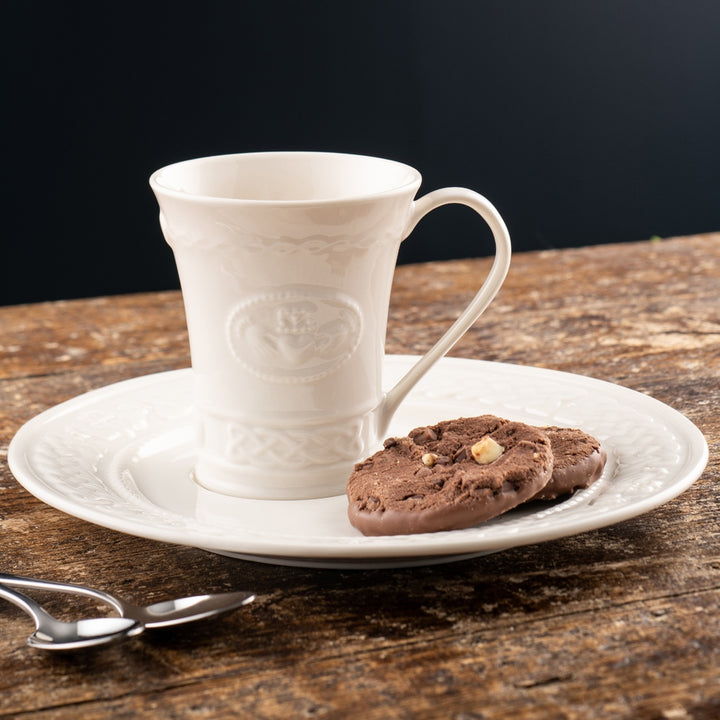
(583, 121)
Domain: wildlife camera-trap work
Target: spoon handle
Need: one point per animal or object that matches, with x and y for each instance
(24, 603)
(36, 584)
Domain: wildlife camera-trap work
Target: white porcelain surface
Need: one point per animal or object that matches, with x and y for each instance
(286, 263)
(122, 457)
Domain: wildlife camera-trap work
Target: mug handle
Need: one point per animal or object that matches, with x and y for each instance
(477, 305)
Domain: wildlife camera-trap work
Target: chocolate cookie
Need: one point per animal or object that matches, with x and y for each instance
(579, 460)
(448, 476)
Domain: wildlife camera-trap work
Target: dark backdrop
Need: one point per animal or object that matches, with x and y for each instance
(583, 121)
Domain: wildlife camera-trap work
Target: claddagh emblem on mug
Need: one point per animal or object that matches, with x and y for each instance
(294, 335)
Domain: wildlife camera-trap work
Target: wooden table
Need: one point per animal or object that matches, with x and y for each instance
(622, 622)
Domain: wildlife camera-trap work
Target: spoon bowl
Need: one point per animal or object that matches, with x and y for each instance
(182, 610)
(53, 634)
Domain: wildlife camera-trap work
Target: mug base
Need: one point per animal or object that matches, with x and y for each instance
(256, 484)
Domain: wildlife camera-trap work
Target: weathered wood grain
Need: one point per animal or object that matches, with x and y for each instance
(622, 622)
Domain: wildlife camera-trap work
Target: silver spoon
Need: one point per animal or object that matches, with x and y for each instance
(53, 634)
(158, 615)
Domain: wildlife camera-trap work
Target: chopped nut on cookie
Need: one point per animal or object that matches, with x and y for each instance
(486, 451)
(429, 459)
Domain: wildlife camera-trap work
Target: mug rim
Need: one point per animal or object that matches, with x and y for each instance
(413, 180)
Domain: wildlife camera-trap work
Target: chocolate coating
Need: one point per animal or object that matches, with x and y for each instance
(394, 492)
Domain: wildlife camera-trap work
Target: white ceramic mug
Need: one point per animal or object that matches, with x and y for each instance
(286, 263)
